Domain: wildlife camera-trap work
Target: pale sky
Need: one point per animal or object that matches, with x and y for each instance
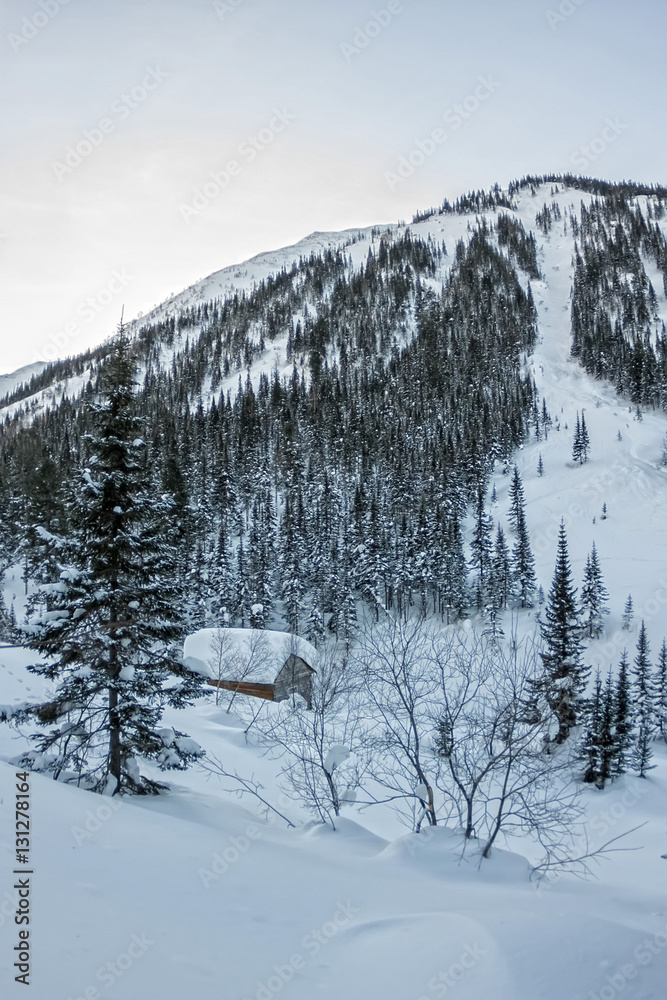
(117, 112)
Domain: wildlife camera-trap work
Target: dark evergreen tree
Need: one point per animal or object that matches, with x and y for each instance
(315, 624)
(112, 621)
(642, 690)
(454, 591)
(517, 509)
(581, 443)
(599, 741)
(8, 529)
(623, 723)
(501, 575)
(480, 548)
(661, 693)
(628, 614)
(594, 597)
(565, 676)
(9, 631)
(290, 570)
(608, 742)
(343, 620)
(576, 445)
(43, 515)
(584, 440)
(523, 566)
(243, 598)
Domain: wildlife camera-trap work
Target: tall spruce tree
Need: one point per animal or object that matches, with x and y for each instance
(565, 676)
(661, 693)
(581, 442)
(454, 591)
(594, 597)
(599, 740)
(628, 614)
(480, 547)
(523, 566)
(517, 499)
(110, 629)
(522, 563)
(623, 723)
(584, 439)
(576, 444)
(642, 689)
(608, 741)
(501, 575)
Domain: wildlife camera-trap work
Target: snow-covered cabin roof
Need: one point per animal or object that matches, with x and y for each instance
(248, 654)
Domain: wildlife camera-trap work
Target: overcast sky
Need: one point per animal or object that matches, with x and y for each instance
(117, 112)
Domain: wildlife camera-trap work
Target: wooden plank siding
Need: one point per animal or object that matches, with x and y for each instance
(266, 691)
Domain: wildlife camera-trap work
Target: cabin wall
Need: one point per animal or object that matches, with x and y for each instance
(295, 677)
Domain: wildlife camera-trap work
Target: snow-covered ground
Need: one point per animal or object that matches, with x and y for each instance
(195, 894)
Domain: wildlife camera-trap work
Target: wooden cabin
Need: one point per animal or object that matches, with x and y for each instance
(259, 663)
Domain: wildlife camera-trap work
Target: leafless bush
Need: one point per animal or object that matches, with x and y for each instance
(321, 747)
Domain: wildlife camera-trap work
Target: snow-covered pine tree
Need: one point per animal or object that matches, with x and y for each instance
(540, 466)
(628, 614)
(43, 515)
(642, 689)
(290, 570)
(7, 526)
(623, 724)
(600, 742)
(607, 742)
(315, 623)
(661, 693)
(576, 445)
(112, 622)
(564, 680)
(454, 591)
(501, 576)
(498, 586)
(259, 573)
(523, 566)
(343, 620)
(517, 500)
(8, 629)
(480, 549)
(522, 562)
(222, 580)
(243, 597)
(593, 735)
(594, 597)
(584, 440)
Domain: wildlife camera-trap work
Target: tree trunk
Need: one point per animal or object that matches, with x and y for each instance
(114, 726)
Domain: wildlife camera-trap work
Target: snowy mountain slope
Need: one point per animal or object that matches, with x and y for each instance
(242, 277)
(626, 474)
(12, 381)
(225, 284)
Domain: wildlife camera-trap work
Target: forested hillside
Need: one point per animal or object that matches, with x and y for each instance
(324, 432)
